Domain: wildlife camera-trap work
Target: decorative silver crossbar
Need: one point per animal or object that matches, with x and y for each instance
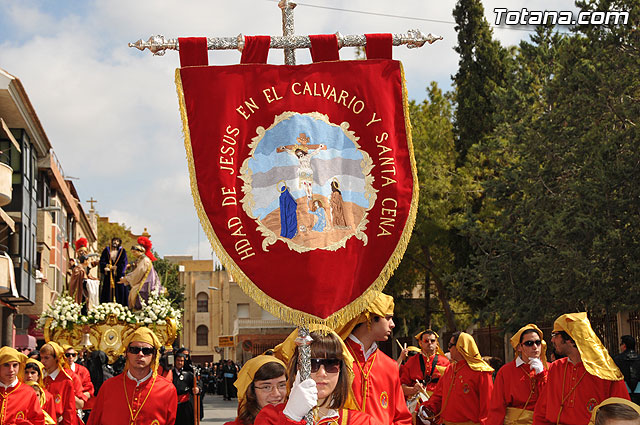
(158, 44)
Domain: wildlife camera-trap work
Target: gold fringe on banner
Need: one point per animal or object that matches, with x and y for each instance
(278, 309)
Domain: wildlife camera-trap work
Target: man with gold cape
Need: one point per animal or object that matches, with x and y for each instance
(138, 396)
(376, 382)
(576, 384)
(518, 384)
(462, 394)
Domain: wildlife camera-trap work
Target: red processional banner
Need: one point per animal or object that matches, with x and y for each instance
(303, 178)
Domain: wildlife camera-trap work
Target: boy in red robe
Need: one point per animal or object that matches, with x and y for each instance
(519, 383)
(577, 383)
(462, 394)
(19, 403)
(376, 382)
(59, 382)
(138, 396)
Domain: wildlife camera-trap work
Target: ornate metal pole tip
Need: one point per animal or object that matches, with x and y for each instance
(157, 44)
(416, 38)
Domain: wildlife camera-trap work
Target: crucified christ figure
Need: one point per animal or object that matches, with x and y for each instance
(303, 152)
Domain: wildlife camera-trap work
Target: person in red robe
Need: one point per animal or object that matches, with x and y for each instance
(577, 383)
(59, 382)
(462, 394)
(326, 392)
(83, 386)
(518, 384)
(421, 373)
(262, 381)
(34, 374)
(138, 396)
(19, 404)
(376, 382)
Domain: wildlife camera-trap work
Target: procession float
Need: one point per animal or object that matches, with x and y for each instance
(107, 325)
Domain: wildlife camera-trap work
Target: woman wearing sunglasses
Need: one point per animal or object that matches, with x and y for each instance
(262, 381)
(519, 383)
(327, 393)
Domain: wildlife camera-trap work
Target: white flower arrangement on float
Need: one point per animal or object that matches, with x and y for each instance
(156, 310)
(63, 312)
(102, 311)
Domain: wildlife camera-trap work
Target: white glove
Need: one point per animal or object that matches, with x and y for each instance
(303, 397)
(536, 365)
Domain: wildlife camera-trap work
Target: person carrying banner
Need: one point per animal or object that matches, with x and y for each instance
(462, 394)
(262, 381)
(376, 383)
(519, 383)
(59, 382)
(582, 379)
(20, 405)
(113, 264)
(138, 395)
(34, 376)
(422, 371)
(327, 391)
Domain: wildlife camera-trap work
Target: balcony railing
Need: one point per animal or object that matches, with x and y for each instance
(242, 324)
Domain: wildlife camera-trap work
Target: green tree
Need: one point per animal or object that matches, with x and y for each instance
(108, 231)
(169, 276)
(428, 259)
(565, 238)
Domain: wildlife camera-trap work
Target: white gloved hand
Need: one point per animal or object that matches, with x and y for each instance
(536, 365)
(303, 398)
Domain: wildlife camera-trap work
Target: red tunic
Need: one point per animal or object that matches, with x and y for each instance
(20, 405)
(85, 378)
(272, 415)
(411, 371)
(49, 404)
(462, 394)
(517, 387)
(581, 391)
(153, 401)
(376, 386)
(63, 398)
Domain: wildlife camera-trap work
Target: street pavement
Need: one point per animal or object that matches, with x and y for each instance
(218, 411)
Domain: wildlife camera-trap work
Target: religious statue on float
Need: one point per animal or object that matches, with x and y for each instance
(113, 265)
(143, 280)
(84, 284)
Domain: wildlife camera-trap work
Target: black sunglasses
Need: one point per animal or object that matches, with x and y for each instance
(330, 365)
(147, 351)
(69, 355)
(530, 343)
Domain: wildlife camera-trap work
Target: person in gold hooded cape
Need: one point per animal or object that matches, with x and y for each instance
(615, 411)
(20, 404)
(261, 381)
(423, 371)
(34, 376)
(138, 396)
(462, 394)
(376, 383)
(59, 382)
(518, 384)
(328, 390)
(581, 380)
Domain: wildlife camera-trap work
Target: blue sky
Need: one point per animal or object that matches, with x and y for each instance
(111, 112)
